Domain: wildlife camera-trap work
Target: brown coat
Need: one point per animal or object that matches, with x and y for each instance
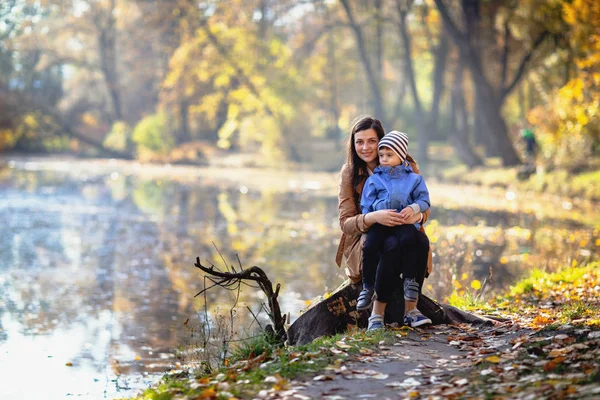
(352, 222)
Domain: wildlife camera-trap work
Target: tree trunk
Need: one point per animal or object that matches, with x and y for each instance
(459, 131)
(364, 57)
(337, 314)
(409, 70)
(441, 55)
(489, 100)
(379, 42)
(183, 135)
(522, 110)
(220, 119)
(108, 59)
(333, 131)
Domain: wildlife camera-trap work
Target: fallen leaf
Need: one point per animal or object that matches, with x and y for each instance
(550, 366)
(540, 320)
(556, 353)
(342, 345)
(380, 376)
(323, 378)
(493, 359)
(207, 393)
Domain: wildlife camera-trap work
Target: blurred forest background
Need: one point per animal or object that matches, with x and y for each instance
(184, 81)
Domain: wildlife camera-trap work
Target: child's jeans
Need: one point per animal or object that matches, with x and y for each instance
(389, 251)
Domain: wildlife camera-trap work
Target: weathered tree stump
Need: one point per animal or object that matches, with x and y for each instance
(337, 313)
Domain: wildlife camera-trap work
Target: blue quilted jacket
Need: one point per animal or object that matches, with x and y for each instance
(395, 188)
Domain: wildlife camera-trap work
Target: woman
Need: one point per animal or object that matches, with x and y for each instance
(361, 160)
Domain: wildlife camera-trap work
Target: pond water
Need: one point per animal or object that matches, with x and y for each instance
(97, 281)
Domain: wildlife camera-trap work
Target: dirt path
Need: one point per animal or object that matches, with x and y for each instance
(428, 361)
(390, 372)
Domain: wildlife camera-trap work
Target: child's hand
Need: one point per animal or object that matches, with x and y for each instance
(407, 213)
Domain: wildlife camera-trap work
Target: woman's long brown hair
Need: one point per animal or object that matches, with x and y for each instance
(355, 163)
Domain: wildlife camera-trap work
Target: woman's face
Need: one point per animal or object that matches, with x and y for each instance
(365, 144)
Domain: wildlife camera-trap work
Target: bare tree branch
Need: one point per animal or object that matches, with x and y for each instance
(504, 59)
(255, 316)
(524, 63)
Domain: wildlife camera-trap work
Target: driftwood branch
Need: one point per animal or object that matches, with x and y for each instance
(256, 274)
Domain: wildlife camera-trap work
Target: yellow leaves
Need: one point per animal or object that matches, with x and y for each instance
(569, 13)
(493, 359)
(8, 138)
(476, 284)
(226, 132)
(30, 121)
(503, 260)
(581, 117)
(281, 383)
(222, 80)
(542, 321)
(89, 119)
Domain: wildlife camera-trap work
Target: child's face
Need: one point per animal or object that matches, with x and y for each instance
(388, 158)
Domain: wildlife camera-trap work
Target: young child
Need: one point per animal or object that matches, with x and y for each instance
(389, 251)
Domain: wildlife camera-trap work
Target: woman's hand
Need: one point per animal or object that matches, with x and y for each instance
(386, 217)
(393, 218)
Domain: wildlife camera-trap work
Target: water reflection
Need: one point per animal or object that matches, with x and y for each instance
(97, 268)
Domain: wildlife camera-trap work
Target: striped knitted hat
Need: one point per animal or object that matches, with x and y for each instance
(397, 141)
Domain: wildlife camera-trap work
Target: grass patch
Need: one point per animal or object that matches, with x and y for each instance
(261, 344)
(539, 280)
(465, 300)
(575, 310)
(259, 358)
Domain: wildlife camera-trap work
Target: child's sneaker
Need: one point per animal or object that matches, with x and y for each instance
(365, 299)
(375, 322)
(414, 318)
